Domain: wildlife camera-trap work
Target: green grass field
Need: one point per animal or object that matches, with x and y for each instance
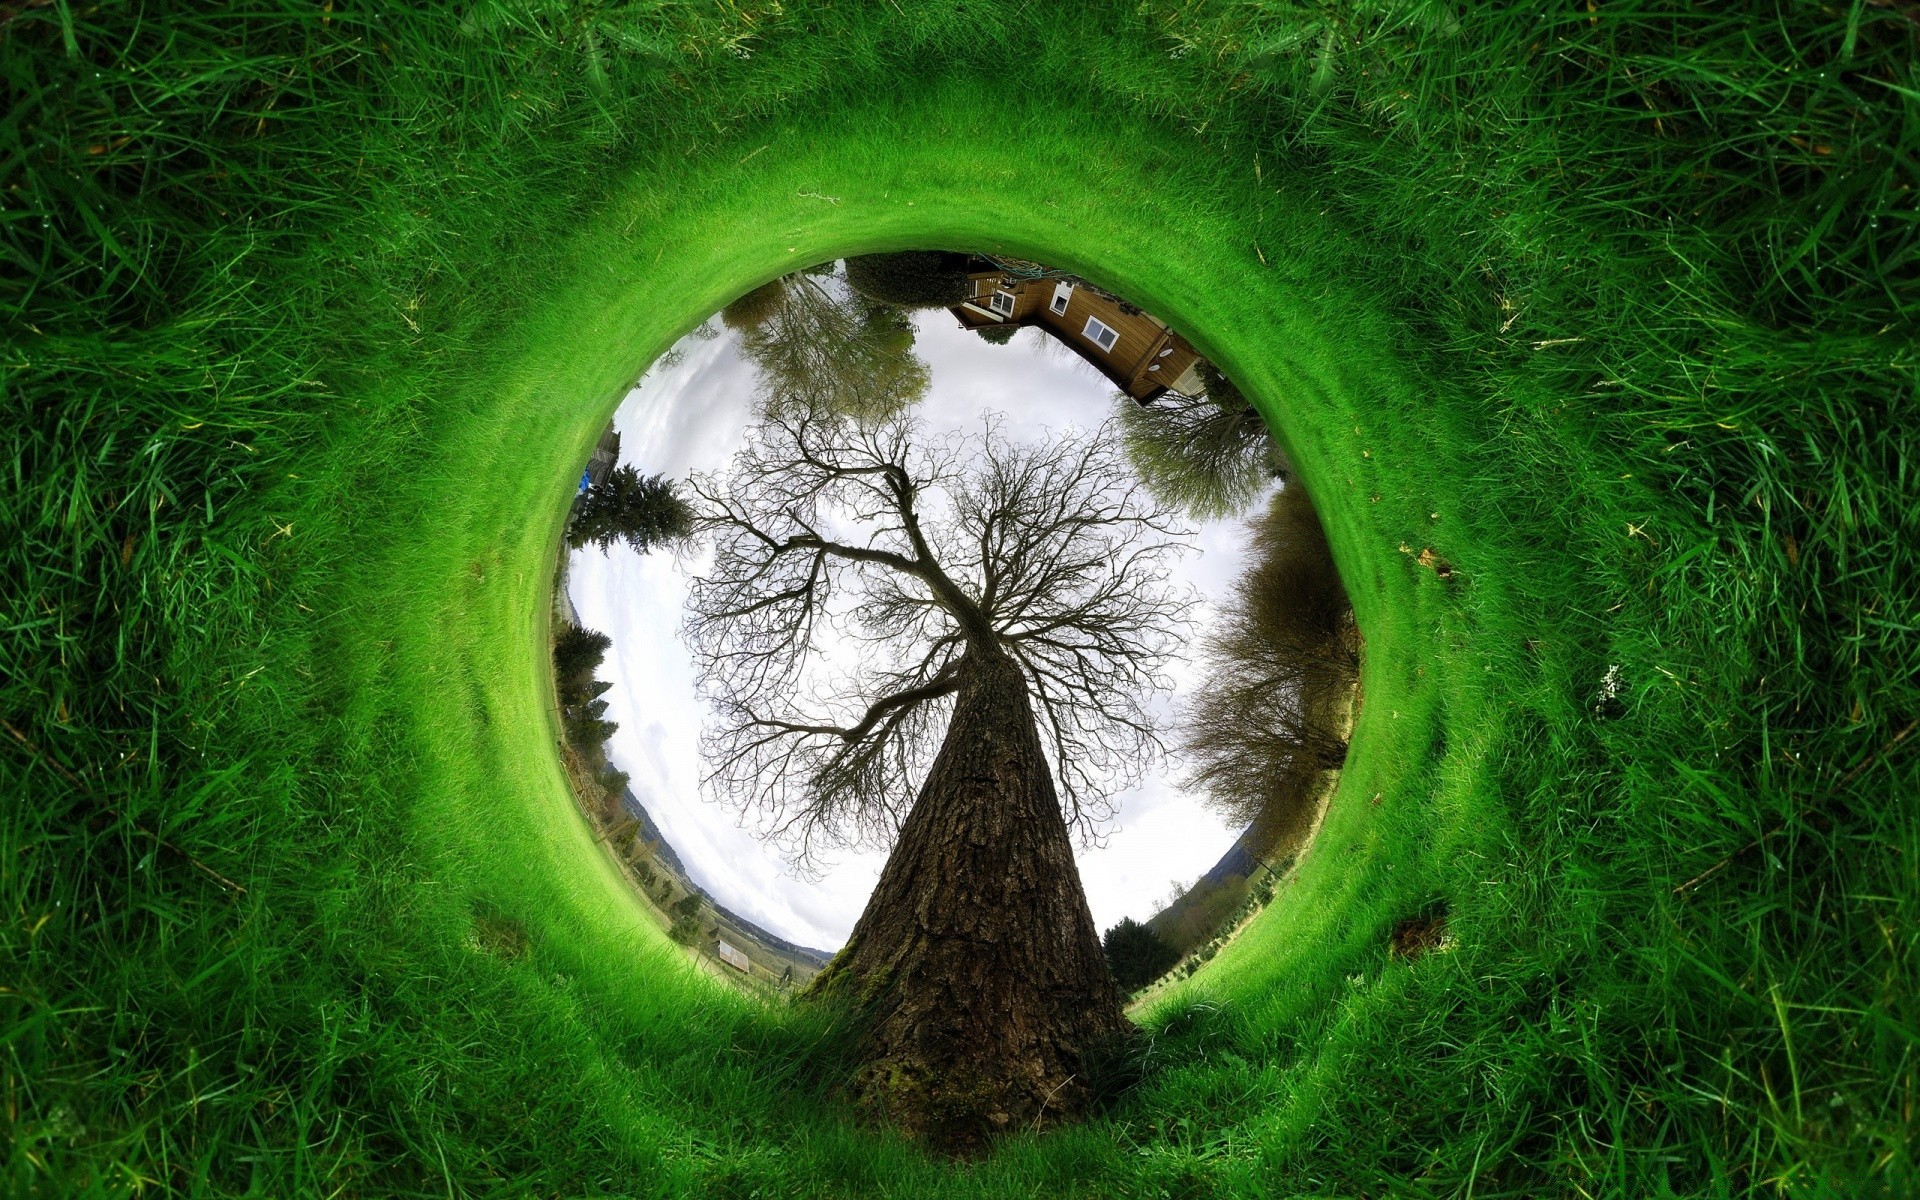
(312, 312)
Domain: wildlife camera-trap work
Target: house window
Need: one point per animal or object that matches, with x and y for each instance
(1100, 334)
(1062, 294)
(1002, 303)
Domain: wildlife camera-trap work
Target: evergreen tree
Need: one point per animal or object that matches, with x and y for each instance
(642, 511)
(1136, 954)
(576, 654)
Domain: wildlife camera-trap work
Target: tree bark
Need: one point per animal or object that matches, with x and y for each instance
(976, 967)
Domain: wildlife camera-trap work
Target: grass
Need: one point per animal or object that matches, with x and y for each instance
(312, 313)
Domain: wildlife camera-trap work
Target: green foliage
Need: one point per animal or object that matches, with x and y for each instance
(577, 654)
(998, 335)
(588, 730)
(1136, 954)
(687, 929)
(910, 278)
(645, 512)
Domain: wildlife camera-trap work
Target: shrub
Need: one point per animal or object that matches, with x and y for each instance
(910, 279)
(1136, 954)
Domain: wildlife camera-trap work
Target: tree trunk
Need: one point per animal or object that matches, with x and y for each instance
(976, 967)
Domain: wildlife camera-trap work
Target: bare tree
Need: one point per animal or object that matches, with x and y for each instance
(1281, 664)
(887, 619)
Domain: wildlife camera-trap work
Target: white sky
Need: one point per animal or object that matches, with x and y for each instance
(691, 415)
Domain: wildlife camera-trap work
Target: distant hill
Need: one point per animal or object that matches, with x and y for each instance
(1193, 918)
(664, 854)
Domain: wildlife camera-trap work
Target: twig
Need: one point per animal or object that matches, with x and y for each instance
(37, 752)
(1048, 1099)
(1781, 828)
(138, 828)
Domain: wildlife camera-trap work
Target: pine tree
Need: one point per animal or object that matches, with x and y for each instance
(1136, 954)
(643, 511)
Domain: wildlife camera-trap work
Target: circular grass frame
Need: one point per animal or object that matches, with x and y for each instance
(1111, 197)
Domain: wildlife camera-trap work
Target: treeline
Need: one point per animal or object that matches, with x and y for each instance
(1269, 720)
(577, 655)
(1274, 709)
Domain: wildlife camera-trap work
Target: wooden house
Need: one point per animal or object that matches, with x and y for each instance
(605, 457)
(1132, 348)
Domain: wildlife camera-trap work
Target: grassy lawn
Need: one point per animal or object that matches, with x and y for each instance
(312, 315)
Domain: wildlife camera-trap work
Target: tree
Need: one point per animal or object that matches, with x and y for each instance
(588, 729)
(756, 307)
(577, 653)
(1209, 455)
(687, 926)
(1136, 954)
(882, 614)
(910, 278)
(643, 511)
(817, 345)
(1280, 668)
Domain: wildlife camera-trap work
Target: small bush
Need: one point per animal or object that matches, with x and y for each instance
(1136, 954)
